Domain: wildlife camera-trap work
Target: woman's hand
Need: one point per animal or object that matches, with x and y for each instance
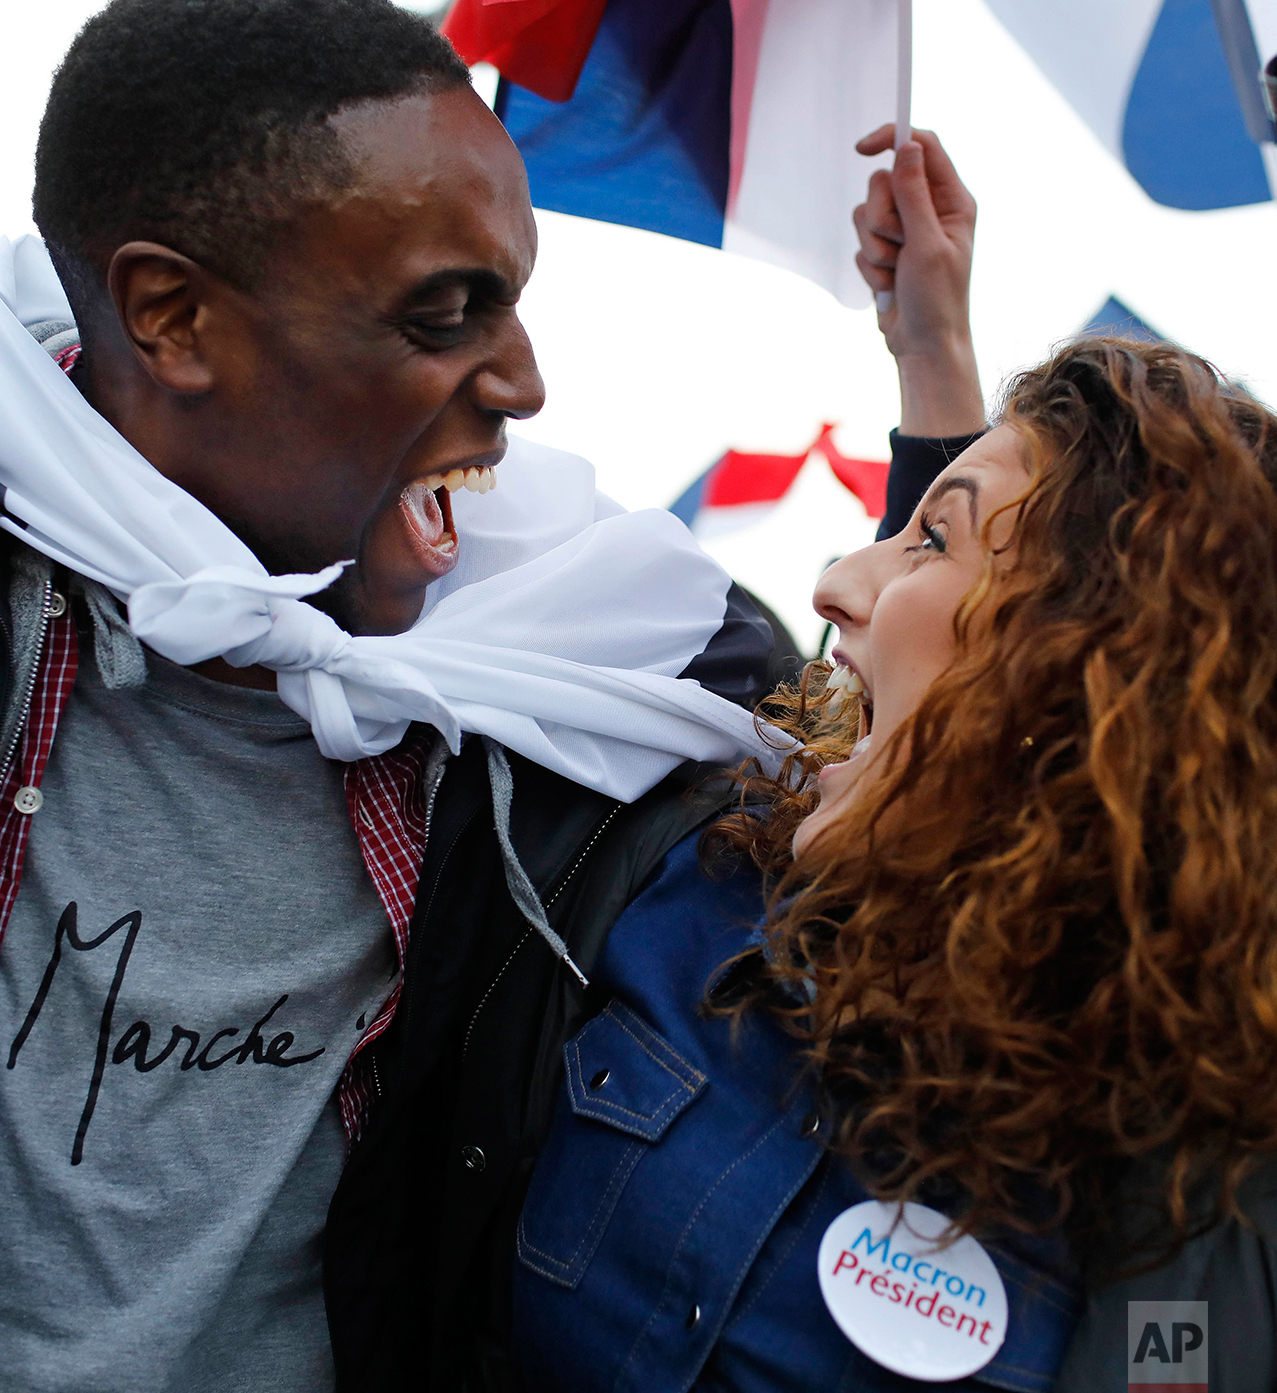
(916, 231)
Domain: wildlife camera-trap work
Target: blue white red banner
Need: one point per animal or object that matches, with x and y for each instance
(740, 489)
(727, 122)
(733, 122)
(1171, 87)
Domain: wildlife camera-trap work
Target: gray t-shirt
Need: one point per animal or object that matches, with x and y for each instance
(195, 951)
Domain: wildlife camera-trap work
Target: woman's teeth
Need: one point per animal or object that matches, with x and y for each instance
(846, 684)
(846, 679)
(476, 480)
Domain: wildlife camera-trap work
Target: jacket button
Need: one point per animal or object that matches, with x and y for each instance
(28, 800)
(693, 1318)
(600, 1078)
(473, 1159)
(57, 605)
(811, 1125)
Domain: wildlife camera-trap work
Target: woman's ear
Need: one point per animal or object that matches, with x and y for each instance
(161, 298)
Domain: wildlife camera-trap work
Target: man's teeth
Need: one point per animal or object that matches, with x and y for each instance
(476, 480)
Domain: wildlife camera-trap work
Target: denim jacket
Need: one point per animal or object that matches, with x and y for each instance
(669, 1237)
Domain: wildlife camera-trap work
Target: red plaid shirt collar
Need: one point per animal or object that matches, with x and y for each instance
(387, 796)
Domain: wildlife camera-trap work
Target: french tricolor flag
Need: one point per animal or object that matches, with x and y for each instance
(740, 489)
(733, 122)
(1171, 87)
(727, 122)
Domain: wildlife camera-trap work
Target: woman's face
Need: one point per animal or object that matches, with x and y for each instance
(894, 603)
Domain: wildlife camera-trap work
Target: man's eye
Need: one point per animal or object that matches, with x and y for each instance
(442, 329)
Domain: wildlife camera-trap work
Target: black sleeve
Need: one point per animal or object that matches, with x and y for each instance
(915, 462)
(737, 662)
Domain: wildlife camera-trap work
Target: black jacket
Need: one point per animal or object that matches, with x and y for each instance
(421, 1230)
(420, 1233)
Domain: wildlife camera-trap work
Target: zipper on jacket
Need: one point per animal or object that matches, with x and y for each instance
(598, 832)
(514, 953)
(32, 676)
(430, 800)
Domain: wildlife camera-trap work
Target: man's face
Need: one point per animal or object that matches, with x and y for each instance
(382, 351)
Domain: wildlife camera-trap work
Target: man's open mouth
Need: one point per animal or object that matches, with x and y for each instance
(426, 507)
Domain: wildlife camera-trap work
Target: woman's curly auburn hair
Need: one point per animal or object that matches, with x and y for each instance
(1058, 954)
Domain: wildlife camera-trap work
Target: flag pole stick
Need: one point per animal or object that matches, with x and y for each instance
(904, 97)
(904, 70)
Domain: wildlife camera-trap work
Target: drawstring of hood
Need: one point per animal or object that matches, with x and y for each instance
(522, 891)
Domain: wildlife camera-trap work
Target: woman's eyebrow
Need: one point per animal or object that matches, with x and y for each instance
(955, 481)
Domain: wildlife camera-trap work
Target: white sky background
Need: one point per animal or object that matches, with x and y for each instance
(658, 354)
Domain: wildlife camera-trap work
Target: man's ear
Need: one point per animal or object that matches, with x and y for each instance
(161, 299)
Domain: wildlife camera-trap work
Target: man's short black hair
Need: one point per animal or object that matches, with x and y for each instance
(200, 124)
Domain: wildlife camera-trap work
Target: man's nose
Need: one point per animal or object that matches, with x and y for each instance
(510, 383)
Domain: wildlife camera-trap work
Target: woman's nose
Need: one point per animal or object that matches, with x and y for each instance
(845, 594)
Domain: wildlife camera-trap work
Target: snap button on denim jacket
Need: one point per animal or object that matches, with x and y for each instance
(669, 1237)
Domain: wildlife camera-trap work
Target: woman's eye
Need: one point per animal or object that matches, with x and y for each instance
(932, 538)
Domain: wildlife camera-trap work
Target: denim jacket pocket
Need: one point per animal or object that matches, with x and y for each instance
(625, 1085)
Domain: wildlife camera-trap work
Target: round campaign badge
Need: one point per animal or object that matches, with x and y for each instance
(929, 1312)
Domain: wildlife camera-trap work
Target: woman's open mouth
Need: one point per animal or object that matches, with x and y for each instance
(848, 685)
(426, 508)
